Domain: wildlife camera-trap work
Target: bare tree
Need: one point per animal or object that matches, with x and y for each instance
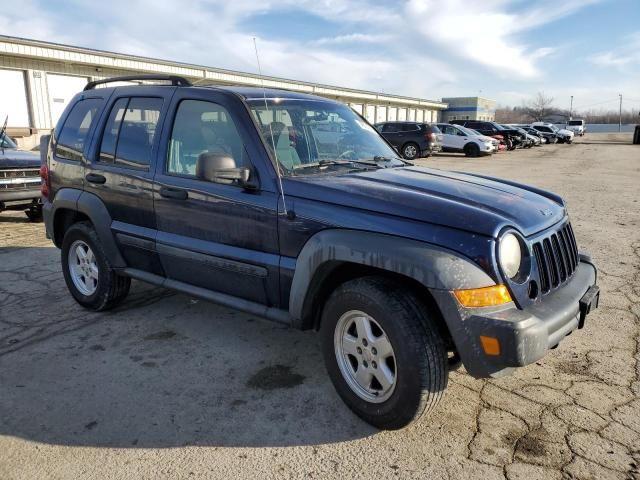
(540, 107)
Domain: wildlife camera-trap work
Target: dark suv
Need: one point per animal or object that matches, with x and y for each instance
(292, 207)
(512, 137)
(412, 139)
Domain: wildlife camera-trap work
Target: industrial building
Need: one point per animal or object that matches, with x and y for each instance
(38, 79)
(469, 108)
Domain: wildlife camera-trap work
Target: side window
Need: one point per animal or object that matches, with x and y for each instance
(72, 137)
(390, 128)
(111, 131)
(410, 127)
(202, 127)
(128, 135)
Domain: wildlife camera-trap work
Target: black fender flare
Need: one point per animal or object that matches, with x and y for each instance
(91, 206)
(432, 266)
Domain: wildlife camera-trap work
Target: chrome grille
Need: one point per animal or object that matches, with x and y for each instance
(16, 179)
(557, 258)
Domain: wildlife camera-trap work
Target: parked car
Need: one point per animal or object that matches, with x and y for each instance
(531, 140)
(535, 133)
(526, 141)
(412, 139)
(226, 195)
(19, 178)
(497, 140)
(456, 138)
(512, 138)
(577, 126)
(562, 135)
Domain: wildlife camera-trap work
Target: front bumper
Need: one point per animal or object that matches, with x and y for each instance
(524, 336)
(20, 195)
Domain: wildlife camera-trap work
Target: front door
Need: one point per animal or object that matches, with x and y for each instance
(215, 234)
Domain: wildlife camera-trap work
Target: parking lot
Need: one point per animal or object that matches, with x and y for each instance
(167, 385)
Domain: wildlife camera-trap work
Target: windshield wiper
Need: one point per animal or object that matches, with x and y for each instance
(379, 158)
(326, 163)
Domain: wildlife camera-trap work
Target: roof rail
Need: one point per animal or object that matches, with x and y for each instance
(174, 79)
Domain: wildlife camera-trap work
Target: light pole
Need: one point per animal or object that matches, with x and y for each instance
(620, 116)
(571, 108)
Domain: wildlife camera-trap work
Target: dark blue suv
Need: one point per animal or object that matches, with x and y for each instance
(292, 207)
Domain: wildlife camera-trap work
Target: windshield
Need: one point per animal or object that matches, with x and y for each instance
(468, 131)
(6, 142)
(575, 122)
(554, 128)
(330, 135)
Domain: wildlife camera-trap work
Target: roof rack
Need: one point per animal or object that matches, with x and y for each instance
(174, 79)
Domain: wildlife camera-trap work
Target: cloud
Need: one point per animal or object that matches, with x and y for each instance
(410, 47)
(627, 53)
(485, 32)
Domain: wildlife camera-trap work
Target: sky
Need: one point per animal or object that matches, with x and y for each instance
(507, 50)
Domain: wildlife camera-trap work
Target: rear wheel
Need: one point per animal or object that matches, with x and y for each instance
(87, 272)
(383, 351)
(471, 150)
(410, 151)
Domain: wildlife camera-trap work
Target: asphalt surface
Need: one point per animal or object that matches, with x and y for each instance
(167, 386)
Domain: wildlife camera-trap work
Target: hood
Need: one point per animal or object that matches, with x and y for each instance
(565, 132)
(484, 138)
(464, 201)
(12, 158)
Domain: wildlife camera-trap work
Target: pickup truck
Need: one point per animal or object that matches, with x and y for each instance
(19, 179)
(226, 193)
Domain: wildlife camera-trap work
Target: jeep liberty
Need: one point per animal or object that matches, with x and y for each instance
(292, 207)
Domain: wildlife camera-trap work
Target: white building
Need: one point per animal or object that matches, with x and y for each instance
(38, 79)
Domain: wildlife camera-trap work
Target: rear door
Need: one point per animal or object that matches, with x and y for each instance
(121, 170)
(215, 234)
(393, 133)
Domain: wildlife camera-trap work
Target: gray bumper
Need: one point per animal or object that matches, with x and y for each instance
(21, 195)
(524, 335)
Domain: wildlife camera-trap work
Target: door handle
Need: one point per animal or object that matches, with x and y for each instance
(95, 178)
(175, 193)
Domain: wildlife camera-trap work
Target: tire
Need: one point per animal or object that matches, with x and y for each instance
(471, 150)
(418, 361)
(34, 213)
(510, 145)
(109, 288)
(410, 151)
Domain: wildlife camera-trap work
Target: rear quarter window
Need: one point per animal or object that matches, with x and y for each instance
(73, 134)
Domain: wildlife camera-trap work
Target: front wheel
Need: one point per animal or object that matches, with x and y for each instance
(87, 272)
(383, 351)
(471, 150)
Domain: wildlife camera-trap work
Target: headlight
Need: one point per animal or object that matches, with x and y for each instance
(510, 255)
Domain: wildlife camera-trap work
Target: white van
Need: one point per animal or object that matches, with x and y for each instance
(577, 127)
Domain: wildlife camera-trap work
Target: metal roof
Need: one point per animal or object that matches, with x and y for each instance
(49, 51)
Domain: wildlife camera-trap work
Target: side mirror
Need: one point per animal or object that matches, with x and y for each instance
(221, 168)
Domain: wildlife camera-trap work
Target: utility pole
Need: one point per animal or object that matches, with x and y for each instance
(571, 108)
(620, 117)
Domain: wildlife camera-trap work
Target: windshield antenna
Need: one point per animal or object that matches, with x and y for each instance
(273, 142)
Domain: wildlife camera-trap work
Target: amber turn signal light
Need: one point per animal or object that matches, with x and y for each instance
(483, 297)
(490, 345)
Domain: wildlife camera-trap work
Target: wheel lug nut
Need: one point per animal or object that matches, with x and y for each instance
(374, 351)
(364, 342)
(374, 364)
